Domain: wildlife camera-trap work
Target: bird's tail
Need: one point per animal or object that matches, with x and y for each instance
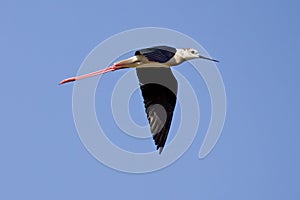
(128, 62)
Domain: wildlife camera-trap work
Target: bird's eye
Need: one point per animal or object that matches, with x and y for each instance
(193, 52)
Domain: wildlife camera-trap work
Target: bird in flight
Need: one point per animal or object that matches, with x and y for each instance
(157, 83)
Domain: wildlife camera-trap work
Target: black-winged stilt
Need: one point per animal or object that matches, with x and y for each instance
(157, 83)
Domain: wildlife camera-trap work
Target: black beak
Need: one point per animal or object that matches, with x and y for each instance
(208, 58)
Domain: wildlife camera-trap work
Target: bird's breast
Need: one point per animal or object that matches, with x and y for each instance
(175, 60)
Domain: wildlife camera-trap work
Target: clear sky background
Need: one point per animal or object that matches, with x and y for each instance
(257, 156)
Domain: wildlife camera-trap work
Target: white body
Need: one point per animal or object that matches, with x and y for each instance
(180, 56)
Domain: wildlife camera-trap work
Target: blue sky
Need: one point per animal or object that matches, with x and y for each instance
(257, 156)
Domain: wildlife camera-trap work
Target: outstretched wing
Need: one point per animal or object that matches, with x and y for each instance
(159, 90)
(159, 54)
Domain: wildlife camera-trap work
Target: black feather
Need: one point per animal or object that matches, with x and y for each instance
(160, 54)
(159, 90)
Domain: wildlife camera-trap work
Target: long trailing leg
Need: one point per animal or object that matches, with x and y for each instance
(130, 62)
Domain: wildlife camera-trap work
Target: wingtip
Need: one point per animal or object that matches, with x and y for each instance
(160, 150)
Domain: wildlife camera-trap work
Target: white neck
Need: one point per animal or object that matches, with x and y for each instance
(177, 58)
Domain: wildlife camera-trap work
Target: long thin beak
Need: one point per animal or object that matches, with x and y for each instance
(208, 58)
(102, 71)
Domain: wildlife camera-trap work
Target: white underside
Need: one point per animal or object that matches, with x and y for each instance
(141, 61)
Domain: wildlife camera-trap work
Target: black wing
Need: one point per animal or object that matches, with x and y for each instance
(160, 54)
(159, 89)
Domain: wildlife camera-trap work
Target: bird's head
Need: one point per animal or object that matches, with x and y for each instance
(190, 53)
